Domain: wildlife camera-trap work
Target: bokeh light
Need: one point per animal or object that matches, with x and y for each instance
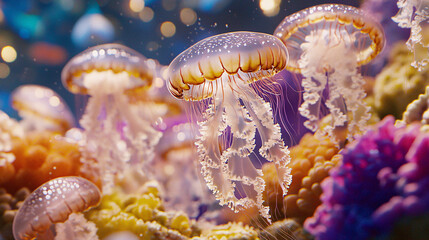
(8, 53)
(54, 101)
(188, 16)
(4, 70)
(136, 5)
(147, 14)
(169, 5)
(168, 29)
(152, 46)
(270, 8)
(46, 53)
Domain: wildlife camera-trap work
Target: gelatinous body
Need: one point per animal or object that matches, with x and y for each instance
(222, 76)
(115, 134)
(326, 44)
(52, 203)
(41, 109)
(414, 14)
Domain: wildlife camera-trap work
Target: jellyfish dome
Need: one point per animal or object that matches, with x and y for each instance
(41, 109)
(52, 203)
(326, 44)
(223, 76)
(115, 134)
(414, 14)
(92, 29)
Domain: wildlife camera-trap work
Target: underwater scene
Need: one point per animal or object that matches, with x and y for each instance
(214, 119)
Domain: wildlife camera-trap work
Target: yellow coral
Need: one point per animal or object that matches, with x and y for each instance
(142, 214)
(398, 84)
(230, 231)
(418, 111)
(311, 161)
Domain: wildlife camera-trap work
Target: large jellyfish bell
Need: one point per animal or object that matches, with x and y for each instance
(326, 44)
(222, 75)
(114, 133)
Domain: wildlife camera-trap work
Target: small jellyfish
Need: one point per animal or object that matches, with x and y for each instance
(41, 109)
(326, 44)
(414, 14)
(115, 134)
(222, 76)
(52, 203)
(92, 29)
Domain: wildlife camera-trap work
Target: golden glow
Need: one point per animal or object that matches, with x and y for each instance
(270, 8)
(168, 29)
(8, 54)
(159, 83)
(136, 5)
(188, 16)
(54, 101)
(4, 70)
(146, 15)
(152, 46)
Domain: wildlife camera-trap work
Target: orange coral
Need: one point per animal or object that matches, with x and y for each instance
(311, 161)
(39, 157)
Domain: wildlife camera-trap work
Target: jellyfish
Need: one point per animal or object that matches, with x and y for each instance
(327, 43)
(52, 203)
(222, 75)
(41, 109)
(114, 134)
(414, 14)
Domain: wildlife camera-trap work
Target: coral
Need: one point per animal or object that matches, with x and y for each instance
(311, 161)
(382, 178)
(285, 229)
(418, 110)
(230, 231)
(9, 205)
(39, 157)
(398, 84)
(141, 214)
(75, 228)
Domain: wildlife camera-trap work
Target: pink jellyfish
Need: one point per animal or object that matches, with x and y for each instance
(115, 134)
(414, 14)
(41, 109)
(223, 75)
(327, 43)
(52, 203)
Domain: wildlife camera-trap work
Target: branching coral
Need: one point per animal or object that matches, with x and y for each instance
(311, 161)
(418, 110)
(39, 157)
(142, 214)
(383, 177)
(398, 84)
(230, 231)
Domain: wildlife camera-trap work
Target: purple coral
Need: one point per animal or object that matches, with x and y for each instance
(384, 177)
